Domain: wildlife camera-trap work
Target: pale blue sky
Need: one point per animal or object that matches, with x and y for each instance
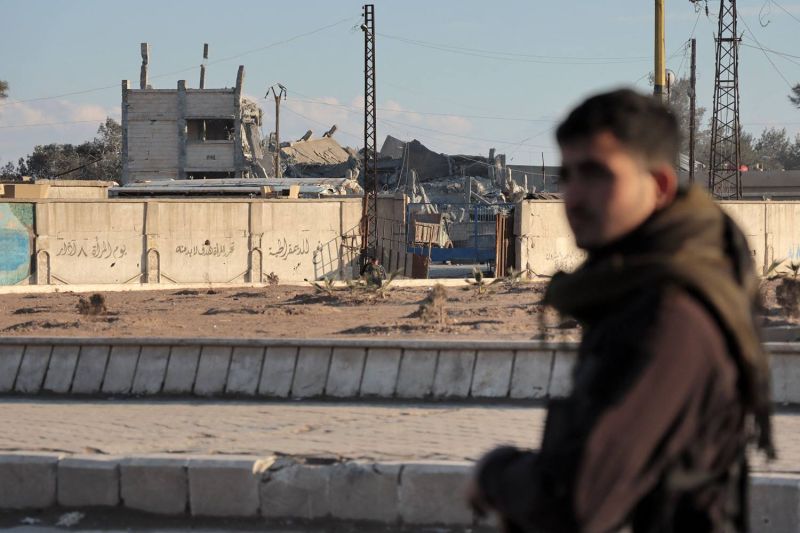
(53, 48)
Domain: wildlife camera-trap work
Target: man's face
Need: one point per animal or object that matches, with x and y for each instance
(607, 190)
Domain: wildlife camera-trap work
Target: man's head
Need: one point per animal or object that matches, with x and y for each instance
(618, 153)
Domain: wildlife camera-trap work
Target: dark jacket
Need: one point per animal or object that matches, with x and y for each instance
(651, 437)
(670, 375)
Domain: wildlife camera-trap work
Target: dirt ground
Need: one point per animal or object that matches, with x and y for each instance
(502, 312)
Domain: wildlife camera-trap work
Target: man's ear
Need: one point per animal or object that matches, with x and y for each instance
(666, 184)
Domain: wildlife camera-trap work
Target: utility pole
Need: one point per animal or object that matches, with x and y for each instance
(203, 66)
(724, 174)
(660, 69)
(369, 224)
(692, 109)
(278, 93)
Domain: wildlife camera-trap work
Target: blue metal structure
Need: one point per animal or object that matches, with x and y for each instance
(467, 231)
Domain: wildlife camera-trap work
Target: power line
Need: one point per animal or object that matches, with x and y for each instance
(355, 110)
(425, 113)
(116, 86)
(517, 57)
(785, 10)
(36, 124)
(763, 50)
(787, 57)
(288, 108)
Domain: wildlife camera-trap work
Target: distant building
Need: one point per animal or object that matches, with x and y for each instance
(189, 133)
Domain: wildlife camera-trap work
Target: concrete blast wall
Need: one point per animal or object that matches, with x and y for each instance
(545, 244)
(180, 241)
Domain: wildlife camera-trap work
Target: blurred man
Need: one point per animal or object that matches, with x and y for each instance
(373, 273)
(671, 382)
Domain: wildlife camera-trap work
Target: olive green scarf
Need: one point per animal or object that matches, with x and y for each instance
(694, 244)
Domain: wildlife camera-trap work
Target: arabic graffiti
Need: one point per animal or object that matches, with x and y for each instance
(565, 260)
(99, 249)
(284, 249)
(207, 249)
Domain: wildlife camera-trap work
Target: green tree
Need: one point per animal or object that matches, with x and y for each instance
(680, 103)
(773, 148)
(98, 159)
(794, 96)
(3, 89)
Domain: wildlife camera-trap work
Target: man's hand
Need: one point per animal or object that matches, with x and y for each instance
(476, 499)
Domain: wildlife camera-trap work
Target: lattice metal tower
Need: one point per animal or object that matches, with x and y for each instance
(724, 174)
(369, 224)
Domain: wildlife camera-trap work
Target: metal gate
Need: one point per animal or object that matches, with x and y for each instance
(458, 233)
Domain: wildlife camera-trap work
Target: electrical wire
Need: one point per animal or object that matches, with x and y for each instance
(788, 57)
(236, 56)
(784, 10)
(516, 57)
(761, 47)
(310, 100)
(36, 124)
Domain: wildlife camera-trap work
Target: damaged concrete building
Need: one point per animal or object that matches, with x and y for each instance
(208, 142)
(185, 133)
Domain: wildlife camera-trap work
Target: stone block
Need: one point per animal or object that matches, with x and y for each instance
(278, 371)
(417, 368)
(454, 373)
(245, 371)
(785, 369)
(90, 370)
(433, 494)
(311, 372)
(10, 359)
(212, 370)
(154, 485)
(531, 374)
(151, 370)
(492, 378)
(88, 481)
(63, 361)
(774, 503)
(33, 368)
(344, 377)
(223, 487)
(561, 378)
(380, 372)
(296, 492)
(181, 369)
(121, 368)
(27, 481)
(361, 491)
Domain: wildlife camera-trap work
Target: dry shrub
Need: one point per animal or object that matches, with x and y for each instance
(433, 307)
(95, 305)
(272, 279)
(787, 293)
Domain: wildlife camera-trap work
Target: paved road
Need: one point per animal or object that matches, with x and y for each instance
(388, 431)
(123, 521)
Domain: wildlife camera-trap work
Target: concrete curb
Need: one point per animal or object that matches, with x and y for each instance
(413, 493)
(116, 287)
(311, 368)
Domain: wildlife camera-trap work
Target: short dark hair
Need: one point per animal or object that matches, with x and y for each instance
(640, 122)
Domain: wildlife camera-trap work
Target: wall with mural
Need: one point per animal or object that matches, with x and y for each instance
(16, 242)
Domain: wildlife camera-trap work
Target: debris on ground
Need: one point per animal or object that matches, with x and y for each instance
(95, 305)
(70, 519)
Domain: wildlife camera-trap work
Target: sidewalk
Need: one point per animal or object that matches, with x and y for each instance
(363, 431)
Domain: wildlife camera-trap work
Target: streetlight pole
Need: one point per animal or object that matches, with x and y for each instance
(278, 93)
